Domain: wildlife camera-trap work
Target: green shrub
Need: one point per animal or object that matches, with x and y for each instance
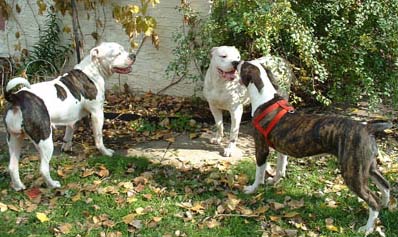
(345, 51)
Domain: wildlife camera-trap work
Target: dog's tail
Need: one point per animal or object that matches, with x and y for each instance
(378, 125)
(13, 83)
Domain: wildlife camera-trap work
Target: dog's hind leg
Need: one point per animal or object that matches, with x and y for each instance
(358, 183)
(236, 116)
(382, 184)
(280, 169)
(218, 119)
(67, 145)
(15, 142)
(45, 149)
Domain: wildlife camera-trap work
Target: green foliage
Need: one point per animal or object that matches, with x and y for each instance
(50, 52)
(345, 50)
(359, 42)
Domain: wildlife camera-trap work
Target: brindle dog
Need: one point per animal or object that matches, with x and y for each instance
(300, 135)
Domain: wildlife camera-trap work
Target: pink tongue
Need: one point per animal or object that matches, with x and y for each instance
(229, 75)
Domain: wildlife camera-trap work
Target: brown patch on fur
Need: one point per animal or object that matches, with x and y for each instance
(251, 74)
(80, 85)
(61, 92)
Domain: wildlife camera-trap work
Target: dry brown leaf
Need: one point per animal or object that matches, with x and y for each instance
(276, 205)
(65, 228)
(213, 223)
(87, 172)
(14, 208)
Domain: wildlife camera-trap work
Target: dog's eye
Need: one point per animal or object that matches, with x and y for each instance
(223, 56)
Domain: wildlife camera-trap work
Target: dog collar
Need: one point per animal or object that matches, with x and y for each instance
(285, 107)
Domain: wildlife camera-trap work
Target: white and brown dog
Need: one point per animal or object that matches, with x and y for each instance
(63, 101)
(223, 92)
(300, 135)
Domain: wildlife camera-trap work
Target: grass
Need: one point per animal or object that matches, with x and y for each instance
(132, 196)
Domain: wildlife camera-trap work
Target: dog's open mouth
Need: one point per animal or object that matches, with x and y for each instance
(231, 75)
(122, 70)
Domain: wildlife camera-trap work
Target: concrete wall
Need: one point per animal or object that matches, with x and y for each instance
(148, 71)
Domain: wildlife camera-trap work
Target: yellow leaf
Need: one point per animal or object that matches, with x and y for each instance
(42, 217)
(128, 218)
(139, 210)
(134, 9)
(291, 214)
(157, 219)
(3, 207)
(76, 198)
(332, 228)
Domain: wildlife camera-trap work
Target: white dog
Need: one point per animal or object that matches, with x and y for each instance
(63, 101)
(223, 92)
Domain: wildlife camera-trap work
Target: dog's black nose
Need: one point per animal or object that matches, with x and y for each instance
(235, 64)
(132, 56)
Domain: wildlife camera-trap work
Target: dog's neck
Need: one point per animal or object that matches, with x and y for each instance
(90, 68)
(266, 93)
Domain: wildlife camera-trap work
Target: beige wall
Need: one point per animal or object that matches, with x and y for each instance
(148, 71)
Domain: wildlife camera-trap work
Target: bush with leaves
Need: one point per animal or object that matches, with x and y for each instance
(344, 50)
(359, 45)
(49, 54)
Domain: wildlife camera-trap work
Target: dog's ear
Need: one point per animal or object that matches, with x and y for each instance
(251, 74)
(96, 52)
(212, 51)
(258, 82)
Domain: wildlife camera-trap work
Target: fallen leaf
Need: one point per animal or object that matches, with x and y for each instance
(291, 214)
(14, 208)
(213, 223)
(103, 172)
(87, 172)
(65, 228)
(42, 217)
(3, 207)
(77, 197)
(128, 218)
(33, 193)
(139, 210)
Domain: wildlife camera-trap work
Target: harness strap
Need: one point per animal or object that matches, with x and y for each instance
(256, 121)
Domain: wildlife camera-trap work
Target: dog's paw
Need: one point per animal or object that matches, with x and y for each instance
(227, 152)
(249, 189)
(366, 230)
(215, 141)
(54, 184)
(66, 147)
(18, 187)
(107, 152)
(273, 180)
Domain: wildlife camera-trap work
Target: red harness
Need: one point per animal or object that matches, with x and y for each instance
(256, 121)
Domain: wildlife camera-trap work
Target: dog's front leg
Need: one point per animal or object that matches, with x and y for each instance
(236, 116)
(217, 114)
(97, 119)
(67, 145)
(262, 151)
